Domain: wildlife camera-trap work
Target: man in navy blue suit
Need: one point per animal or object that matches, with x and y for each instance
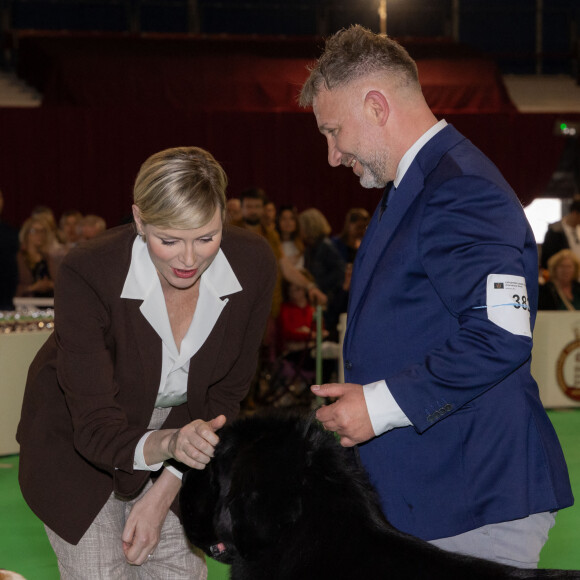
(438, 394)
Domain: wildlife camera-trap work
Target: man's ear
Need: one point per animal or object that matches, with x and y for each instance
(376, 108)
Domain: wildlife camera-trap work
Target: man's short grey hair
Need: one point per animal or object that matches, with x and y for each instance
(356, 52)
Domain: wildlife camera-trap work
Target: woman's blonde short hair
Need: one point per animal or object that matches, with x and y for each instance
(313, 224)
(180, 188)
(556, 260)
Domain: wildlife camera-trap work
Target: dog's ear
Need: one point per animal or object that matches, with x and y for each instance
(198, 501)
(265, 500)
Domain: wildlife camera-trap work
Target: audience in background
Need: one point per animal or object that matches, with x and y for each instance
(39, 248)
(296, 322)
(562, 234)
(68, 234)
(562, 291)
(296, 369)
(8, 267)
(91, 226)
(252, 202)
(269, 215)
(34, 259)
(234, 211)
(44, 245)
(69, 228)
(287, 228)
(325, 263)
(46, 212)
(348, 241)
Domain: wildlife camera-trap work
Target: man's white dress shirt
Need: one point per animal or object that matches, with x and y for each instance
(384, 411)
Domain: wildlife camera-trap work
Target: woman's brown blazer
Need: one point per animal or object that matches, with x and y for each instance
(92, 387)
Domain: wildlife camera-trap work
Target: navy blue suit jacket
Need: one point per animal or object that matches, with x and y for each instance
(481, 449)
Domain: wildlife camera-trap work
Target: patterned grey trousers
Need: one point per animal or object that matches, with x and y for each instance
(99, 555)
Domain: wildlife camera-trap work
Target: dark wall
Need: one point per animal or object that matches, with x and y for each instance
(68, 157)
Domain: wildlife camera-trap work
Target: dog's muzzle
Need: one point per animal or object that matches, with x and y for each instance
(217, 550)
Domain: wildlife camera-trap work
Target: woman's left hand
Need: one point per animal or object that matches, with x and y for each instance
(143, 527)
(142, 531)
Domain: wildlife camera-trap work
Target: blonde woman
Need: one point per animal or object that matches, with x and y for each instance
(35, 268)
(159, 324)
(562, 291)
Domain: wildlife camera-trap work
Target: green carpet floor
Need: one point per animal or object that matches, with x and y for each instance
(25, 549)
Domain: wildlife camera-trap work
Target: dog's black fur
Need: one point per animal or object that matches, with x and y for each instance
(282, 500)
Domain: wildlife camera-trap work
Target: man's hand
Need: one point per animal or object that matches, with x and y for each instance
(348, 415)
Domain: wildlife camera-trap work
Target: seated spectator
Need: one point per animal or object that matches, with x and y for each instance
(355, 226)
(287, 228)
(296, 321)
(91, 226)
(35, 266)
(562, 291)
(69, 228)
(46, 212)
(296, 369)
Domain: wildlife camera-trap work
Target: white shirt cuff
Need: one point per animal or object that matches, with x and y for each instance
(175, 472)
(139, 459)
(383, 410)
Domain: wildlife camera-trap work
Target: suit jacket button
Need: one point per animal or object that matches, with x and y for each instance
(347, 365)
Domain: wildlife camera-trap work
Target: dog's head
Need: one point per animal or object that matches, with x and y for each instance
(266, 473)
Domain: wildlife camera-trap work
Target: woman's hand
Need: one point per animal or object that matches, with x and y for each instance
(143, 528)
(194, 444)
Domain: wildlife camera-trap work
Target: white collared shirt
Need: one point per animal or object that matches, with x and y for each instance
(142, 283)
(384, 411)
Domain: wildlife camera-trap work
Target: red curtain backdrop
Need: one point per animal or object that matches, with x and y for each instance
(111, 102)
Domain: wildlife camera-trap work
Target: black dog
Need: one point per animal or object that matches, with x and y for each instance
(282, 500)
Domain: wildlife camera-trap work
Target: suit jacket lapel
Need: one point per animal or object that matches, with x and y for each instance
(380, 233)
